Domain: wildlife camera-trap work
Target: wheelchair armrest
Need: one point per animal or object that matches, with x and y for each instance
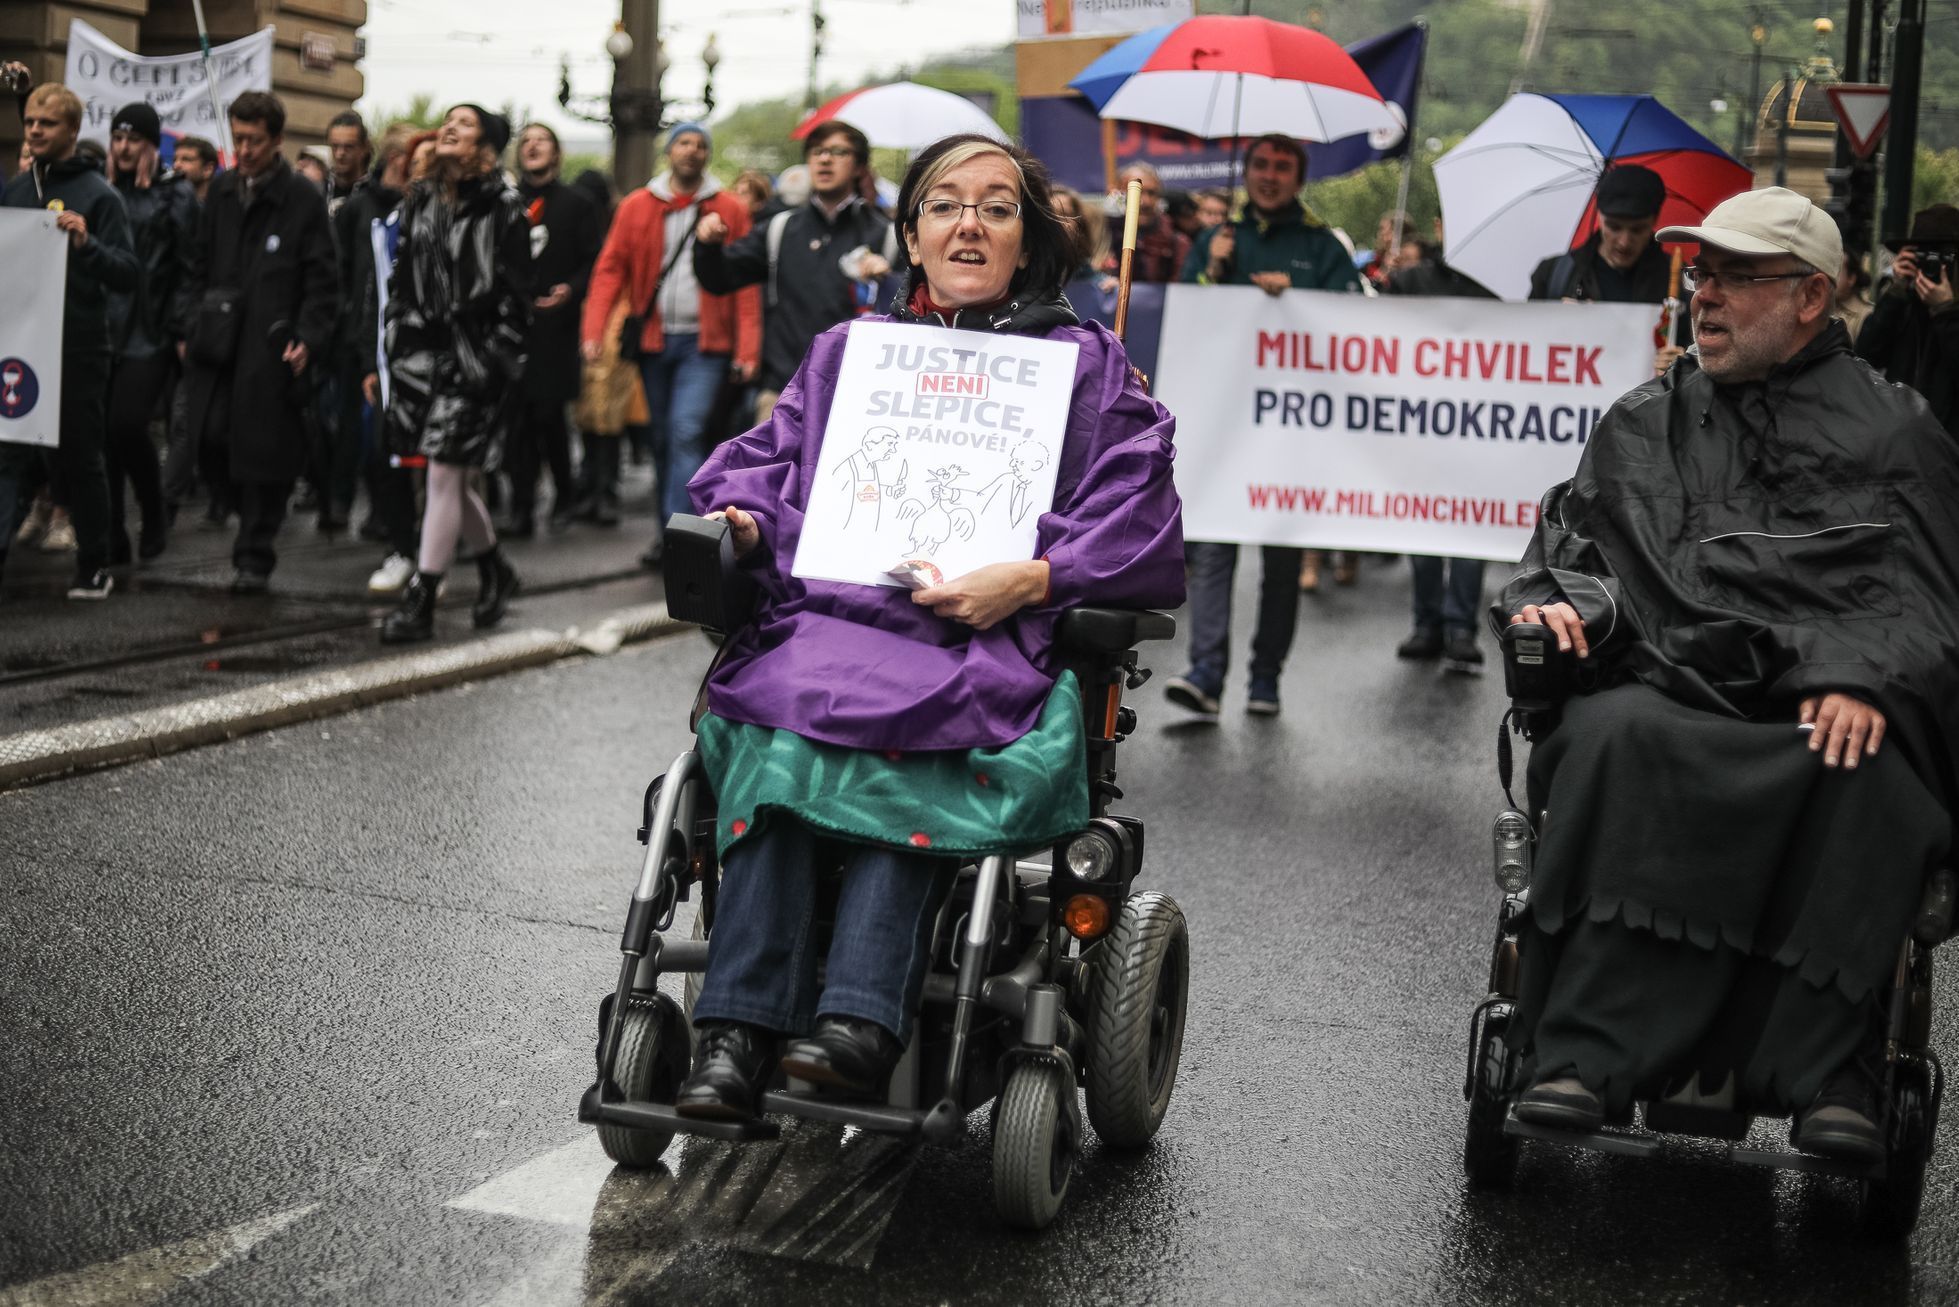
(1933, 924)
(1111, 630)
(704, 584)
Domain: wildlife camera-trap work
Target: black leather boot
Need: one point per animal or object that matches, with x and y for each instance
(845, 1053)
(499, 582)
(731, 1067)
(414, 619)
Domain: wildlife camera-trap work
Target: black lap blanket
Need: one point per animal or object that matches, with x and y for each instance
(1702, 827)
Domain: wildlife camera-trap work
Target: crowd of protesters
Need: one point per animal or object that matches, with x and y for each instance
(438, 319)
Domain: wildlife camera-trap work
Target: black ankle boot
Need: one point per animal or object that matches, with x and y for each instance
(499, 582)
(415, 618)
(845, 1053)
(731, 1068)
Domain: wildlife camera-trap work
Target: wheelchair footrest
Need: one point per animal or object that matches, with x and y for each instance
(661, 1116)
(865, 1116)
(1599, 1141)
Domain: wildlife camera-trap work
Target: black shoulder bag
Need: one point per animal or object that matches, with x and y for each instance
(634, 327)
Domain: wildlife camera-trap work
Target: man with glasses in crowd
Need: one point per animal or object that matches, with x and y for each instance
(1160, 248)
(1757, 567)
(819, 262)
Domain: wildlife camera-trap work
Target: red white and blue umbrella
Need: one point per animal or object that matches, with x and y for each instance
(1226, 75)
(1520, 187)
(905, 115)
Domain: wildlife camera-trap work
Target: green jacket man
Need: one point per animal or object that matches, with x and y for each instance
(1278, 244)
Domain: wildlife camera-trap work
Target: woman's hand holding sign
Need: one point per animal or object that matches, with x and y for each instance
(988, 595)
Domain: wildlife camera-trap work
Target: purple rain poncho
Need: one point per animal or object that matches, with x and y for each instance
(866, 668)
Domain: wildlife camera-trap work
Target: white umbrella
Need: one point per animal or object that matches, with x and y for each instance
(905, 115)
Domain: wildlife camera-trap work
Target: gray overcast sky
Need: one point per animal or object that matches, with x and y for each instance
(508, 50)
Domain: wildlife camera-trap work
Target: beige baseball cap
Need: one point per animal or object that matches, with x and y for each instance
(1773, 220)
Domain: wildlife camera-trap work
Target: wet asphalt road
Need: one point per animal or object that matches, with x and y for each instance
(304, 1019)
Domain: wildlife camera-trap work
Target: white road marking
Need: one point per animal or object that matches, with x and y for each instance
(146, 1277)
(560, 1187)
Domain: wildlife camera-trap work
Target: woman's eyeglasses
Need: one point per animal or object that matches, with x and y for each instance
(994, 213)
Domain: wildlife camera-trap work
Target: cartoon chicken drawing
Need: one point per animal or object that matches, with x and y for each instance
(932, 524)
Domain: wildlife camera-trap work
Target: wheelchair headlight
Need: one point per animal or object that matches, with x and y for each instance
(1092, 855)
(1512, 838)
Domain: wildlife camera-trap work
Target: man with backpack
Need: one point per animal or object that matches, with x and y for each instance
(687, 338)
(1621, 262)
(820, 262)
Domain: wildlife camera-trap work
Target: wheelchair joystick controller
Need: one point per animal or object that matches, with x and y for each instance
(1536, 675)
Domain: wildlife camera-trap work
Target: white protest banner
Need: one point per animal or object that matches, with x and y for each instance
(107, 77)
(34, 287)
(1044, 18)
(941, 448)
(1405, 425)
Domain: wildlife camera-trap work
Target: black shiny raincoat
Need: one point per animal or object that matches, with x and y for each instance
(1740, 548)
(458, 311)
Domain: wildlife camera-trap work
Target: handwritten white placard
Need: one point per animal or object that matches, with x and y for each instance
(942, 448)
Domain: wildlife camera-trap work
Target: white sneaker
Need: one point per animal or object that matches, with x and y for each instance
(35, 525)
(60, 538)
(392, 576)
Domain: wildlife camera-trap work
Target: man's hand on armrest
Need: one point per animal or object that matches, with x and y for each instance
(1843, 727)
(1564, 621)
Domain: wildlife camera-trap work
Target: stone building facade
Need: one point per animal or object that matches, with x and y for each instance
(314, 67)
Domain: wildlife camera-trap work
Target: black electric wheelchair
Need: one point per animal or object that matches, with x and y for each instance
(1045, 978)
(1537, 677)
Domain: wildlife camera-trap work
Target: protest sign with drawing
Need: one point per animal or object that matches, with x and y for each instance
(941, 449)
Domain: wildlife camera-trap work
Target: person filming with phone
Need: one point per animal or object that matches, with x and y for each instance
(1913, 334)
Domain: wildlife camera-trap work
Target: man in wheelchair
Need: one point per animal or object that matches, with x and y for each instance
(1754, 581)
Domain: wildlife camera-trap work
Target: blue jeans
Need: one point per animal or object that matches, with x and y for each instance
(1212, 567)
(761, 959)
(1449, 606)
(681, 383)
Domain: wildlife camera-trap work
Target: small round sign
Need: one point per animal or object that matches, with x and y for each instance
(20, 389)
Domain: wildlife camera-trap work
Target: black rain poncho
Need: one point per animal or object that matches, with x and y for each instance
(1738, 549)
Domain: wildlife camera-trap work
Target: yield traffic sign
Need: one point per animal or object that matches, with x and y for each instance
(1864, 109)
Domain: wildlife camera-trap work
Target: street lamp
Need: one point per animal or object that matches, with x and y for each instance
(636, 111)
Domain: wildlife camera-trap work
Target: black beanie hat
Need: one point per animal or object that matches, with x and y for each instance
(1630, 191)
(141, 119)
(496, 127)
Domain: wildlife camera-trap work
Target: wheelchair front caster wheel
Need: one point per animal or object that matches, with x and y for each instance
(651, 1063)
(1489, 1157)
(1888, 1209)
(1035, 1139)
(1140, 982)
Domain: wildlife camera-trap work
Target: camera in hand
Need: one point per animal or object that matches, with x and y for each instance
(1536, 673)
(1937, 264)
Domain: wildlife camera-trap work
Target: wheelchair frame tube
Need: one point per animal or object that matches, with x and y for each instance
(636, 942)
(972, 962)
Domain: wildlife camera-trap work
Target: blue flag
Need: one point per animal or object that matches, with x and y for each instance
(1393, 62)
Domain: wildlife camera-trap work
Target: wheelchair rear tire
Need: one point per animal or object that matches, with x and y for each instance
(652, 1062)
(1489, 1157)
(1137, 995)
(1889, 1207)
(1034, 1145)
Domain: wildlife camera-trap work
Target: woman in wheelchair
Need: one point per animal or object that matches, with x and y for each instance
(888, 733)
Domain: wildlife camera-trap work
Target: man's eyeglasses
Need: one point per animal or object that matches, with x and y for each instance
(1733, 279)
(994, 213)
(833, 152)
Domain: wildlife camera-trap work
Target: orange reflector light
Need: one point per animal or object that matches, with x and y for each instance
(1086, 916)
